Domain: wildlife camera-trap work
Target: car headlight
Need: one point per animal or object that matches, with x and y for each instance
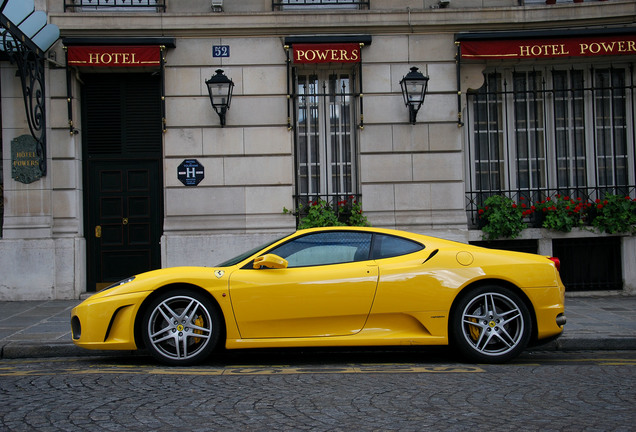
(121, 282)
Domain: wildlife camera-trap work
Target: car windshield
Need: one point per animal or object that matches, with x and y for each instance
(237, 259)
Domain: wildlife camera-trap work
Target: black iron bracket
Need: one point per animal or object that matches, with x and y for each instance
(29, 60)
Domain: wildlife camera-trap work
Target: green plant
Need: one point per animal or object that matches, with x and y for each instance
(355, 215)
(501, 217)
(614, 214)
(321, 214)
(561, 213)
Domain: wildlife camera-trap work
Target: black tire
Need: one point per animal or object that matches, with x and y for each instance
(181, 327)
(490, 324)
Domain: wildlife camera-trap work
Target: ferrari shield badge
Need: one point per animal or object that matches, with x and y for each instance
(219, 273)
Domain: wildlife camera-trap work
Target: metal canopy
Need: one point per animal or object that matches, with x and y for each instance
(24, 37)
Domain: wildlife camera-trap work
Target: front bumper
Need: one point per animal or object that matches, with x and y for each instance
(107, 322)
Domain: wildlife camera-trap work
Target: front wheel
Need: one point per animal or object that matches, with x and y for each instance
(181, 327)
(491, 324)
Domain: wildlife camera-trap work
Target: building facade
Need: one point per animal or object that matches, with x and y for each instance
(525, 99)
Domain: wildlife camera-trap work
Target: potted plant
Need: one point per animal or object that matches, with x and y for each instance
(614, 214)
(561, 213)
(320, 214)
(501, 217)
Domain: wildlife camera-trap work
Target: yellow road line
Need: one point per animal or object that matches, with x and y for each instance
(249, 370)
(16, 368)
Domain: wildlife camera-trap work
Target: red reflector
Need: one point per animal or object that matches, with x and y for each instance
(557, 263)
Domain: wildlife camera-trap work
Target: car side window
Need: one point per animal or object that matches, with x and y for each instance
(323, 248)
(387, 246)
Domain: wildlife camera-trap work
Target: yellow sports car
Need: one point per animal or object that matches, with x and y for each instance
(337, 286)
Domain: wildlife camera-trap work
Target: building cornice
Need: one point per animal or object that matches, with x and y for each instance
(616, 13)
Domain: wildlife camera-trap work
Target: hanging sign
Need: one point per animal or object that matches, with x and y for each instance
(114, 56)
(190, 172)
(327, 53)
(549, 48)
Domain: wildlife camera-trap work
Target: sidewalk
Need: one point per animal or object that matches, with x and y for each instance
(41, 328)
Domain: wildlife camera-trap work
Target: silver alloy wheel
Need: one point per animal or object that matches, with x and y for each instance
(493, 324)
(180, 328)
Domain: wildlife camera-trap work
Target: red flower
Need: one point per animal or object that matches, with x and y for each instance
(481, 211)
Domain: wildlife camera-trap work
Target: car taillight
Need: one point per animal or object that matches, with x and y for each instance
(557, 263)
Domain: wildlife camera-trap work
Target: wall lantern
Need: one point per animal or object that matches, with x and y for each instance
(220, 89)
(414, 86)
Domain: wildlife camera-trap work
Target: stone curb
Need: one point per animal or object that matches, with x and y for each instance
(22, 350)
(608, 343)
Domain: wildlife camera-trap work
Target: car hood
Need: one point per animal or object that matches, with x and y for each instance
(205, 277)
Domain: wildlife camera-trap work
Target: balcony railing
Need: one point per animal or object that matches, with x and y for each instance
(319, 4)
(114, 5)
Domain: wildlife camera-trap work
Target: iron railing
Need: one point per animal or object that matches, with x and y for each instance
(110, 5)
(327, 4)
(590, 264)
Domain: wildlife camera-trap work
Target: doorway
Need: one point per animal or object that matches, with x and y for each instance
(123, 178)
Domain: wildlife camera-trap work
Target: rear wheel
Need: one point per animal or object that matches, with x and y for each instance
(491, 324)
(181, 327)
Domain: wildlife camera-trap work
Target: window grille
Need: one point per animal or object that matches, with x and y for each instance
(325, 139)
(590, 264)
(319, 4)
(541, 132)
(114, 5)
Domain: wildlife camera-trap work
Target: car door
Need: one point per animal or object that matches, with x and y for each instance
(327, 289)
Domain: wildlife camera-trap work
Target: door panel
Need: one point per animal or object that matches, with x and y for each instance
(303, 302)
(123, 211)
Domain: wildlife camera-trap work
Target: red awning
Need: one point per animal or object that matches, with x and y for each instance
(549, 48)
(327, 53)
(114, 56)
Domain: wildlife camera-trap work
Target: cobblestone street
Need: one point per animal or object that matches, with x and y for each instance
(540, 391)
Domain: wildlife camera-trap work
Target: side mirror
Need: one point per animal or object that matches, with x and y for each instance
(270, 261)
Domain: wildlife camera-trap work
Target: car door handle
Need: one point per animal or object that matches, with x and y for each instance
(98, 231)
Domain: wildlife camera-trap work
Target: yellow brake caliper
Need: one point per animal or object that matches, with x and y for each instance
(199, 323)
(474, 330)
